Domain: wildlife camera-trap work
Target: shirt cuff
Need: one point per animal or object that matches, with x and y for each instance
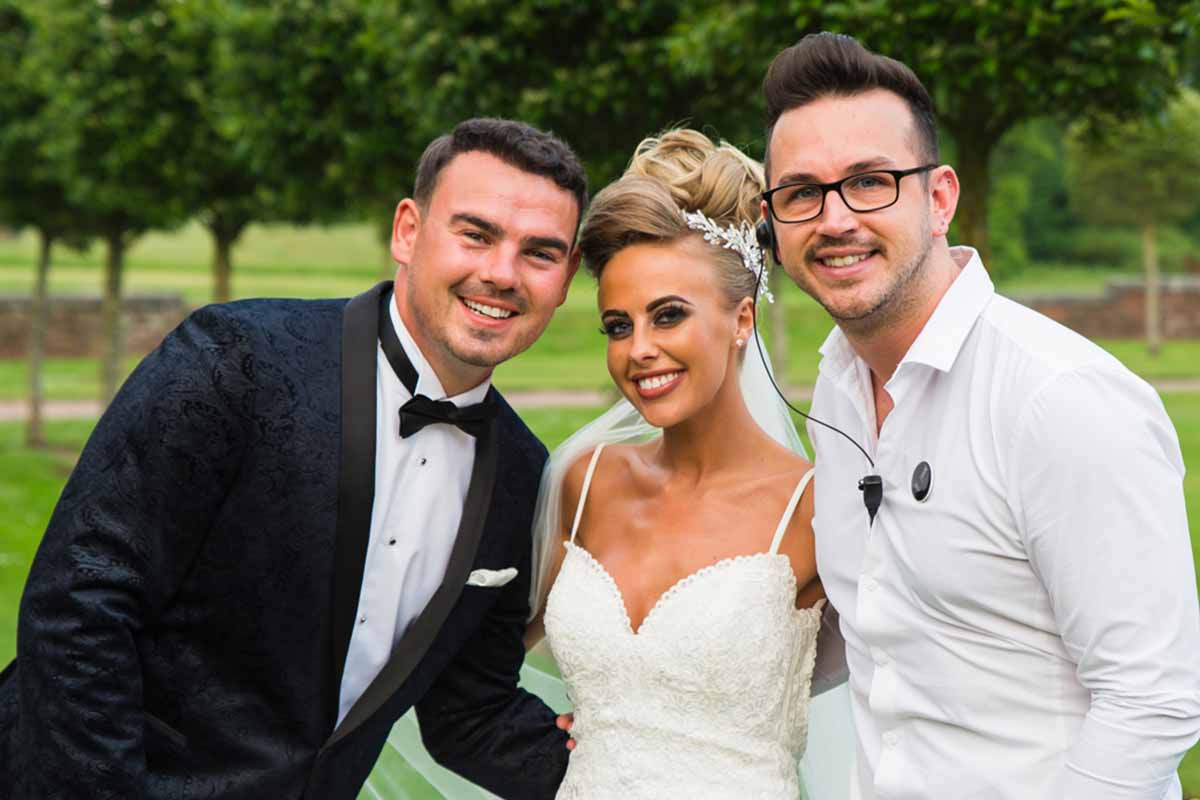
(1111, 763)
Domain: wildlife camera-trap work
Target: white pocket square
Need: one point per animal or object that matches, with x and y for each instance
(491, 578)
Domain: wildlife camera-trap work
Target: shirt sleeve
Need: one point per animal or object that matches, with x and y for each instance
(1096, 473)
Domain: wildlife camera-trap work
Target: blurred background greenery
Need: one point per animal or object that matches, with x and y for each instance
(233, 148)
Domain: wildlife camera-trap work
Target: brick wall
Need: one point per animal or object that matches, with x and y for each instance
(1119, 313)
(76, 328)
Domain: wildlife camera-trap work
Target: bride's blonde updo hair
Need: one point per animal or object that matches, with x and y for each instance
(679, 170)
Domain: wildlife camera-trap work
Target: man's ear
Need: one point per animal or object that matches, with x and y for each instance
(943, 197)
(572, 268)
(405, 225)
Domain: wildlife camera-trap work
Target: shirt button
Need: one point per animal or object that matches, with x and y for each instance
(422, 461)
(881, 658)
(870, 583)
(890, 739)
(362, 620)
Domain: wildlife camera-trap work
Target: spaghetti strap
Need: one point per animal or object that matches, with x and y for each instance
(788, 512)
(587, 483)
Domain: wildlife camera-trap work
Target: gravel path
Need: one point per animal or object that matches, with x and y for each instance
(15, 411)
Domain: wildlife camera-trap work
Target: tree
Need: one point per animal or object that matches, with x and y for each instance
(30, 194)
(988, 65)
(226, 191)
(118, 127)
(1144, 173)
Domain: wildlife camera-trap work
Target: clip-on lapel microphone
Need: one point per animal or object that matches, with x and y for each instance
(871, 486)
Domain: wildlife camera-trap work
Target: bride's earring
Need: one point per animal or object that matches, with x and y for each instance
(740, 342)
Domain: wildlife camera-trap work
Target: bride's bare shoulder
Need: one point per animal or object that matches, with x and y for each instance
(785, 460)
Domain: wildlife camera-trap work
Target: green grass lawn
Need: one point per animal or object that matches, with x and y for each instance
(30, 482)
(341, 260)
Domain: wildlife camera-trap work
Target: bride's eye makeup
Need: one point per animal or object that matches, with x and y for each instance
(666, 316)
(615, 326)
(665, 312)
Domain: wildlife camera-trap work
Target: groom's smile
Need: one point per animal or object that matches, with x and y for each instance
(483, 267)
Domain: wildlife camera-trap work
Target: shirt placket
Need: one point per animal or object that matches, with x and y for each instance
(875, 582)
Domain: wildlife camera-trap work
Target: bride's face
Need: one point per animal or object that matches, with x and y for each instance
(672, 338)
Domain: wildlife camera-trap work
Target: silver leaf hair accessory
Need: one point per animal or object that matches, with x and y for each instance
(739, 238)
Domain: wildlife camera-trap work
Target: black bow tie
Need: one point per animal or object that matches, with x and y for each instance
(420, 410)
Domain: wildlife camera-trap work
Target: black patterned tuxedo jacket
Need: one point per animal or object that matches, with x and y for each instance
(185, 624)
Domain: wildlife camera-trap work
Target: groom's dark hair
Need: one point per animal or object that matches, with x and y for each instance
(516, 143)
(833, 64)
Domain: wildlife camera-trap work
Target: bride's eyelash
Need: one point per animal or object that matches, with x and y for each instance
(614, 328)
(669, 315)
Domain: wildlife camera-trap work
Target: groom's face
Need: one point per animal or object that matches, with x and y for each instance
(484, 266)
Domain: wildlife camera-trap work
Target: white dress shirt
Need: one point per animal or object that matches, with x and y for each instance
(1030, 631)
(420, 486)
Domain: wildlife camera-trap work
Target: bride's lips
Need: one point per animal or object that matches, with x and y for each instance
(652, 385)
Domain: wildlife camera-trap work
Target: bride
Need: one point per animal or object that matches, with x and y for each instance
(675, 581)
(681, 598)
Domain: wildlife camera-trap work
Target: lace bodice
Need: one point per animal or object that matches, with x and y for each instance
(707, 699)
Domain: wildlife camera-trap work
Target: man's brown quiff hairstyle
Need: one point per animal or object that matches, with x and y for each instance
(833, 64)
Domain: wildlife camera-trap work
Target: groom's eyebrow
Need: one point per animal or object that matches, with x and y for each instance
(490, 228)
(547, 243)
(495, 231)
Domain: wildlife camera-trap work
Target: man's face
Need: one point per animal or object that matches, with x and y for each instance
(484, 266)
(864, 268)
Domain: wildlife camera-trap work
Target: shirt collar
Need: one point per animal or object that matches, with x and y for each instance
(939, 342)
(427, 380)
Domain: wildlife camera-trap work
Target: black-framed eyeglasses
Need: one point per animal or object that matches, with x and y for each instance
(866, 191)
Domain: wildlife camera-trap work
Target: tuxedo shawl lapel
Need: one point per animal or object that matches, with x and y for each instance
(420, 635)
(356, 470)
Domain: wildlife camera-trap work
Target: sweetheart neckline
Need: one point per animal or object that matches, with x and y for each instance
(678, 585)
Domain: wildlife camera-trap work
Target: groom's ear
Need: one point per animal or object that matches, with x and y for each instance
(405, 225)
(572, 268)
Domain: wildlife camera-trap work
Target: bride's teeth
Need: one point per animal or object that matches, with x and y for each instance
(657, 381)
(844, 261)
(491, 311)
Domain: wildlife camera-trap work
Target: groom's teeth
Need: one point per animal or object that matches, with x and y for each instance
(490, 311)
(845, 261)
(658, 381)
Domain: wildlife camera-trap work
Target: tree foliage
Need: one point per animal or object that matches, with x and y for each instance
(117, 125)
(1143, 173)
(988, 65)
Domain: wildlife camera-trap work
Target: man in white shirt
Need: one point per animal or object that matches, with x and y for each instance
(1010, 555)
(299, 519)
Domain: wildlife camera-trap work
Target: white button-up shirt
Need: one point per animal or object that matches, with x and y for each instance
(1030, 631)
(420, 487)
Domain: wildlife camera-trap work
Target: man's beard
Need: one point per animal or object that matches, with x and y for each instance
(896, 299)
(444, 337)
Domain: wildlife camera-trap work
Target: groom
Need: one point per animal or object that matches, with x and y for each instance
(1019, 602)
(298, 519)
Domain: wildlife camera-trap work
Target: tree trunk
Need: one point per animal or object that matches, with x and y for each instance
(972, 218)
(225, 229)
(1153, 290)
(110, 371)
(34, 434)
(222, 268)
(779, 340)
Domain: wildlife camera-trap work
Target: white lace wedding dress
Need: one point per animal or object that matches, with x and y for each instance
(709, 698)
